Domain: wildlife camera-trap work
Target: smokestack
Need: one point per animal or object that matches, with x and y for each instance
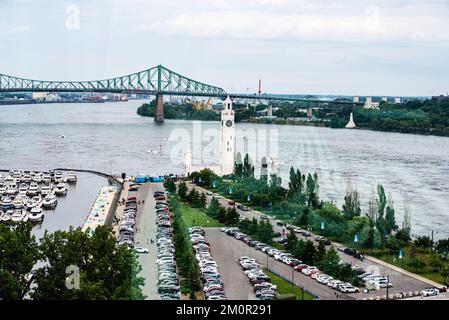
(260, 86)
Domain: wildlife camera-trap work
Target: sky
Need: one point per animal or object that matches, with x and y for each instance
(342, 47)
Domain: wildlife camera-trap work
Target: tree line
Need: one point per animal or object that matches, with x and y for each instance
(66, 265)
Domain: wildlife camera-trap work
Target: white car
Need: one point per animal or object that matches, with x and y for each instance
(309, 270)
(348, 289)
(141, 250)
(381, 282)
(430, 292)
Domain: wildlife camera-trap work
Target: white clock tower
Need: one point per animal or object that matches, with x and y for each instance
(227, 139)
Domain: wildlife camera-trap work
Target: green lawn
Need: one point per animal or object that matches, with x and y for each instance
(285, 286)
(194, 217)
(426, 271)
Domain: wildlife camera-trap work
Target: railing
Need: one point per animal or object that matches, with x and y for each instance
(311, 292)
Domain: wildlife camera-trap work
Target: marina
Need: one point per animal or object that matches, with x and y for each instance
(25, 194)
(61, 212)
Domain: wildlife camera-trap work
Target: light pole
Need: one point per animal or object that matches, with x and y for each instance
(293, 276)
(267, 260)
(388, 285)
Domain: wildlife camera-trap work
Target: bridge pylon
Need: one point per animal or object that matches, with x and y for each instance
(159, 116)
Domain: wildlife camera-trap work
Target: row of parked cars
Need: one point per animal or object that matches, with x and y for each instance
(351, 251)
(277, 254)
(213, 287)
(168, 280)
(263, 287)
(127, 222)
(288, 259)
(322, 278)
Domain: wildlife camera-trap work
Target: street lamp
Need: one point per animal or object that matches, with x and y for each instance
(388, 285)
(293, 276)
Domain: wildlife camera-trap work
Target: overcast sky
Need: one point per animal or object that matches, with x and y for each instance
(354, 47)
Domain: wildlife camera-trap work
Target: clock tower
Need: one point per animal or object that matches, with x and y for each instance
(227, 139)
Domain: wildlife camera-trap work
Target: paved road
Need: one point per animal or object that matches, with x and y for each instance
(146, 230)
(401, 281)
(441, 296)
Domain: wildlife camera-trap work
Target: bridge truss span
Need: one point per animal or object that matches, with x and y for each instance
(157, 81)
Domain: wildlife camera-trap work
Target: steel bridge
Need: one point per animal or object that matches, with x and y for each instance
(157, 81)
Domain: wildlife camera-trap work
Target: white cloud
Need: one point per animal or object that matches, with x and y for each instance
(16, 30)
(370, 26)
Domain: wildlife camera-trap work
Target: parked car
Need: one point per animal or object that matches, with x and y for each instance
(430, 292)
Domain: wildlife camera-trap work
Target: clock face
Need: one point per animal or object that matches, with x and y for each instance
(229, 123)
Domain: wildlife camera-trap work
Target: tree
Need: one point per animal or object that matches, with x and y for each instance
(307, 253)
(381, 201)
(390, 220)
(213, 208)
(296, 184)
(330, 263)
(265, 232)
(221, 217)
(192, 197)
(351, 207)
(232, 217)
(403, 235)
(320, 253)
(106, 271)
(248, 169)
(291, 243)
(312, 191)
(424, 242)
(202, 201)
(18, 254)
(170, 185)
(183, 190)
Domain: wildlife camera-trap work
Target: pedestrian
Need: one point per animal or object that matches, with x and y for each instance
(143, 201)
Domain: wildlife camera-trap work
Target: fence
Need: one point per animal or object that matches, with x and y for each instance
(312, 293)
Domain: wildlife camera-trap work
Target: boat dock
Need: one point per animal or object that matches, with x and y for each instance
(103, 209)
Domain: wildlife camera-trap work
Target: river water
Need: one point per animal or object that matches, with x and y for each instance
(112, 138)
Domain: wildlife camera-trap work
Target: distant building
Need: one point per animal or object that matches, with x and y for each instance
(397, 100)
(370, 104)
(40, 96)
(52, 97)
(356, 100)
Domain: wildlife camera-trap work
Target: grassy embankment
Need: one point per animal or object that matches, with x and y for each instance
(284, 287)
(194, 217)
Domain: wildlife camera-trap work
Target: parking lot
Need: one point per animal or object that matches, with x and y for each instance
(402, 281)
(226, 255)
(227, 251)
(145, 231)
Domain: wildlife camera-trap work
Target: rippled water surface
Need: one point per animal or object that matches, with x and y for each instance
(111, 137)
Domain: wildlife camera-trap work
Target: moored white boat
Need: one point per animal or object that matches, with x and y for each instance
(33, 190)
(50, 202)
(45, 189)
(71, 177)
(18, 215)
(7, 203)
(18, 202)
(58, 176)
(36, 215)
(60, 189)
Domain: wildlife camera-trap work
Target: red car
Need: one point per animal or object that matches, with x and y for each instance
(299, 267)
(231, 203)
